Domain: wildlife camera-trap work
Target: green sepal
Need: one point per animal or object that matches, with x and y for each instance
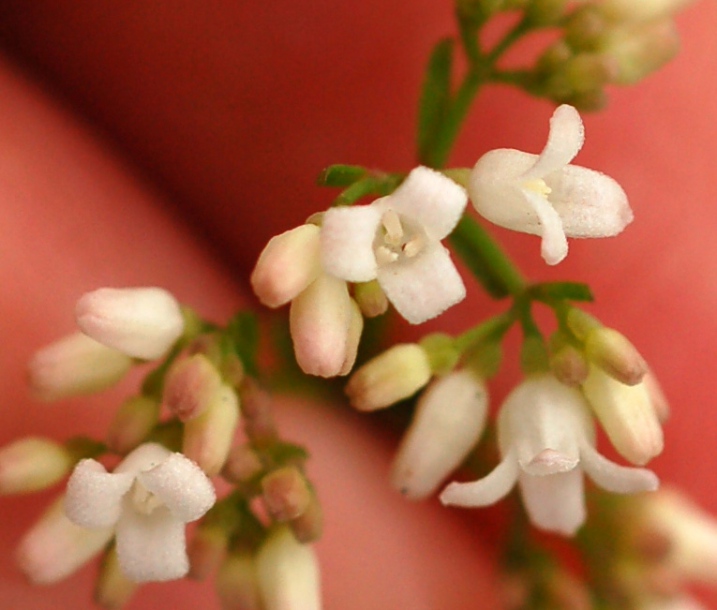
(379, 184)
(341, 175)
(435, 96)
(243, 330)
(561, 291)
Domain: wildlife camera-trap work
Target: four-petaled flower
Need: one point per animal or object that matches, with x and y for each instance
(397, 240)
(546, 438)
(544, 195)
(146, 500)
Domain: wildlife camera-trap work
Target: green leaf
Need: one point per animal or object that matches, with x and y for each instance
(341, 175)
(243, 330)
(566, 291)
(377, 184)
(435, 96)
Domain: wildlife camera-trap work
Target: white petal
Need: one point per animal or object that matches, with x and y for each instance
(565, 139)
(144, 457)
(554, 502)
(554, 245)
(616, 478)
(347, 236)
(485, 491)
(151, 547)
(182, 486)
(431, 199)
(94, 496)
(589, 203)
(422, 287)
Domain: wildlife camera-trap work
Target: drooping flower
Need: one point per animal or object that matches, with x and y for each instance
(397, 241)
(545, 195)
(547, 439)
(146, 501)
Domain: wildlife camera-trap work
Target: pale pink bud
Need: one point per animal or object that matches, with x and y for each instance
(208, 438)
(32, 464)
(74, 365)
(389, 377)
(206, 551)
(308, 526)
(613, 353)
(288, 573)
(190, 386)
(113, 589)
(237, 583)
(569, 365)
(449, 419)
(55, 547)
(321, 320)
(133, 421)
(242, 465)
(256, 410)
(287, 265)
(627, 415)
(140, 322)
(657, 396)
(353, 338)
(286, 493)
(641, 10)
(370, 298)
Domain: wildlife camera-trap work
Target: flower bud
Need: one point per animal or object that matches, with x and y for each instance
(389, 377)
(140, 322)
(191, 385)
(353, 338)
(546, 12)
(370, 298)
(113, 589)
(627, 415)
(320, 320)
(569, 365)
(288, 573)
(256, 409)
(308, 526)
(32, 464)
(132, 423)
(449, 419)
(75, 365)
(208, 438)
(640, 10)
(614, 354)
(287, 265)
(55, 547)
(286, 494)
(237, 583)
(243, 464)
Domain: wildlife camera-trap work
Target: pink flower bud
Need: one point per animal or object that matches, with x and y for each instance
(569, 365)
(308, 526)
(190, 386)
(32, 464)
(132, 423)
(286, 494)
(613, 353)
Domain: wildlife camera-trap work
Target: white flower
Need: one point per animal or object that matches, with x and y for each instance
(546, 439)
(397, 240)
(544, 195)
(146, 500)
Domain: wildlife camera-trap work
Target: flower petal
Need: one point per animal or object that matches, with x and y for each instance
(182, 487)
(422, 287)
(554, 502)
(145, 457)
(589, 203)
(94, 496)
(347, 236)
(565, 140)
(151, 547)
(485, 491)
(613, 477)
(431, 199)
(554, 245)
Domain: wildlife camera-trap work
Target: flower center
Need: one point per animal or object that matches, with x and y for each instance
(538, 186)
(143, 500)
(397, 239)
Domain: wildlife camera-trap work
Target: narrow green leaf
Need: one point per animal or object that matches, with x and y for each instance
(341, 175)
(566, 291)
(378, 184)
(435, 96)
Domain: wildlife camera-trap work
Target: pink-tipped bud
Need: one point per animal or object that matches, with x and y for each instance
(206, 550)
(613, 353)
(353, 338)
(132, 423)
(288, 573)
(190, 386)
(208, 438)
(113, 589)
(75, 365)
(32, 464)
(389, 377)
(569, 365)
(256, 409)
(287, 265)
(370, 298)
(309, 526)
(448, 421)
(627, 415)
(242, 466)
(285, 493)
(657, 396)
(238, 584)
(140, 322)
(55, 547)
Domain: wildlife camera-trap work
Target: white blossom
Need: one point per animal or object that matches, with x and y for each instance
(397, 241)
(546, 439)
(545, 195)
(146, 501)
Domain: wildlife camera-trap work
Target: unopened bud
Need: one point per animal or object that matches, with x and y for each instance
(569, 365)
(584, 28)
(113, 589)
(256, 409)
(370, 298)
(237, 583)
(614, 354)
(75, 365)
(287, 265)
(140, 322)
(208, 438)
(206, 550)
(449, 419)
(132, 423)
(353, 338)
(32, 464)
(581, 324)
(309, 526)
(243, 465)
(545, 12)
(190, 386)
(391, 376)
(441, 351)
(643, 10)
(286, 494)
(657, 396)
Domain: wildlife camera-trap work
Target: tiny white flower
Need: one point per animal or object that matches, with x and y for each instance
(545, 195)
(146, 501)
(546, 439)
(397, 241)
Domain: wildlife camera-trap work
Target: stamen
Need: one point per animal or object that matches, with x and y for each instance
(413, 247)
(392, 225)
(385, 255)
(144, 501)
(538, 186)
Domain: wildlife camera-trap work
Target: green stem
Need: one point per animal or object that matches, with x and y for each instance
(492, 329)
